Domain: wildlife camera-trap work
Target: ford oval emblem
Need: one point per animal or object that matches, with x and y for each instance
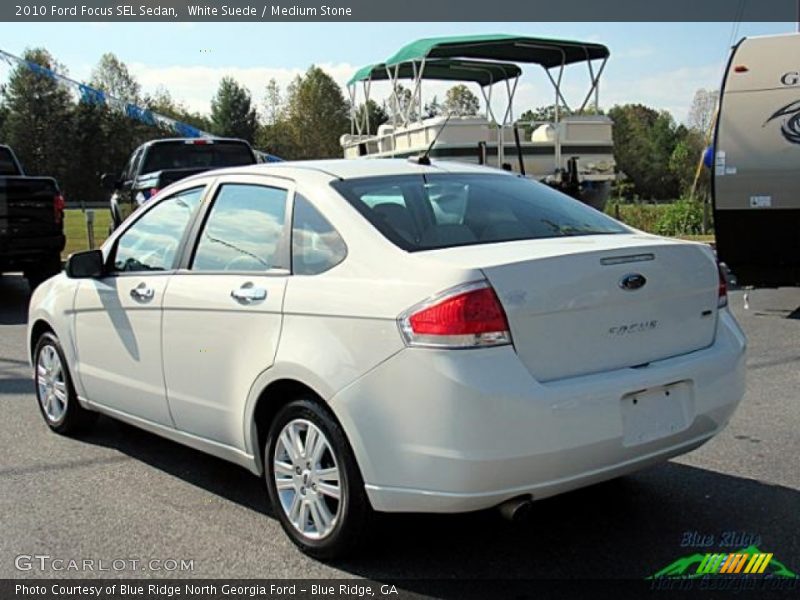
(633, 281)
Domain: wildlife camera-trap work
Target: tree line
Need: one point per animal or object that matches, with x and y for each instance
(75, 142)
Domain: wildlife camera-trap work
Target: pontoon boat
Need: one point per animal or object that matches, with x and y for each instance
(573, 152)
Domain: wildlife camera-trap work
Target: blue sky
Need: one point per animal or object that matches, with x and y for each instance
(659, 64)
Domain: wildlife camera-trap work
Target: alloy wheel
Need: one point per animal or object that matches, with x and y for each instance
(307, 479)
(51, 384)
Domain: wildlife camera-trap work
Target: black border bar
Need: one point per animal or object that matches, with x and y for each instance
(402, 10)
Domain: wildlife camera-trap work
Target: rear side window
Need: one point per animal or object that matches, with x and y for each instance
(446, 210)
(130, 169)
(316, 245)
(7, 164)
(200, 154)
(244, 230)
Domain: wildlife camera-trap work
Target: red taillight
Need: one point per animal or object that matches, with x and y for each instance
(722, 293)
(463, 317)
(58, 208)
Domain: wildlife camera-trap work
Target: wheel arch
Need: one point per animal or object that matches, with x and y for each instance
(40, 327)
(268, 401)
(41, 321)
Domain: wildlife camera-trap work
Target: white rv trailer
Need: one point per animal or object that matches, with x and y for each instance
(574, 152)
(756, 175)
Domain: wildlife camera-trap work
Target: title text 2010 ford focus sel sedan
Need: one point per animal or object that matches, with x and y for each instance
(389, 336)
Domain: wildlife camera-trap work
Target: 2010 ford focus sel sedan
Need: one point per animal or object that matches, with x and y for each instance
(388, 336)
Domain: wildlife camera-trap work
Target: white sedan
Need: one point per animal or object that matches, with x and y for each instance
(389, 336)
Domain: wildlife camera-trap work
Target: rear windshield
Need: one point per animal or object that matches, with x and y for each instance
(442, 211)
(183, 155)
(7, 164)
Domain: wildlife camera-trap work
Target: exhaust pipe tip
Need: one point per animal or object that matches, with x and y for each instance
(517, 510)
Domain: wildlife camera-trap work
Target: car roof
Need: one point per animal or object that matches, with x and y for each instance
(343, 168)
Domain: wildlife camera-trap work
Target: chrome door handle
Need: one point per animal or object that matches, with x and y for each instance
(248, 293)
(142, 292)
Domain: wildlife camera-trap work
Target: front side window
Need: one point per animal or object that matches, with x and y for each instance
(152, 242)
(446, 210)
(244, 230)
(316, 245)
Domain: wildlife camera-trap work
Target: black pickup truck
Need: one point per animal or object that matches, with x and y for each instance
(31, 222)
(157, 163)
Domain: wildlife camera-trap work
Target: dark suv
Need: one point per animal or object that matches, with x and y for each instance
(157, 163)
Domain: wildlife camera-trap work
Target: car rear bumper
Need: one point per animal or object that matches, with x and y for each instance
(454, 431)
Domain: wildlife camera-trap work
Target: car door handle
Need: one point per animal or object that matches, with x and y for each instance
(248, 293)
(143, 292)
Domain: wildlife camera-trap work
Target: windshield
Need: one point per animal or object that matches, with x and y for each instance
(183, 155)
(446, 210)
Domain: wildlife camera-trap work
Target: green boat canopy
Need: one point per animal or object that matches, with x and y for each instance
(481, 72)
(546, 52)
(364, 72)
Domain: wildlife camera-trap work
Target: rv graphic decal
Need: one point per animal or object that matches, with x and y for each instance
(790, 128)
(791, 78)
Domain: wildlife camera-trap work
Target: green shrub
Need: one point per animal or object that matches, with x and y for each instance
(682, 217)
(640, 216)
(678, 218)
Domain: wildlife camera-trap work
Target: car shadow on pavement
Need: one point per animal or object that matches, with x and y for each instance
(15, 385)
(625, 528)
(197, 468)
(14, 298)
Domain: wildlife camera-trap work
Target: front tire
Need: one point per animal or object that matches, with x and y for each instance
(55, 393)
(314, 483)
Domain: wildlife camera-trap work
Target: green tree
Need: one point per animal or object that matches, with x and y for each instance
(401, 102)
(543, 113)
(38, 115)
(432, 108)
(316, 115)
(460, 101)
(113, 77)
(273, 102)
(532, 118)
(277, 139)
(703, 109)
(376, 115)
(684, 161)
(232, 112)
(3, 118)
(107, 126)
(161, 102)
(93, 153)
(644, 140)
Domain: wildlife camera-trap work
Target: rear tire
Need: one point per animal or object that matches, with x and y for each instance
(318, 494)
(55, 393)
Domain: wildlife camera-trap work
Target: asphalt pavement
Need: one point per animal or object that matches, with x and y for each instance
(120, 493)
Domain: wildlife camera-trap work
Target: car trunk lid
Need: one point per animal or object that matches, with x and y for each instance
(594, 303)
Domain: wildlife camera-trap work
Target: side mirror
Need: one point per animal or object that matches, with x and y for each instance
(85, 265)
(109, 181)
